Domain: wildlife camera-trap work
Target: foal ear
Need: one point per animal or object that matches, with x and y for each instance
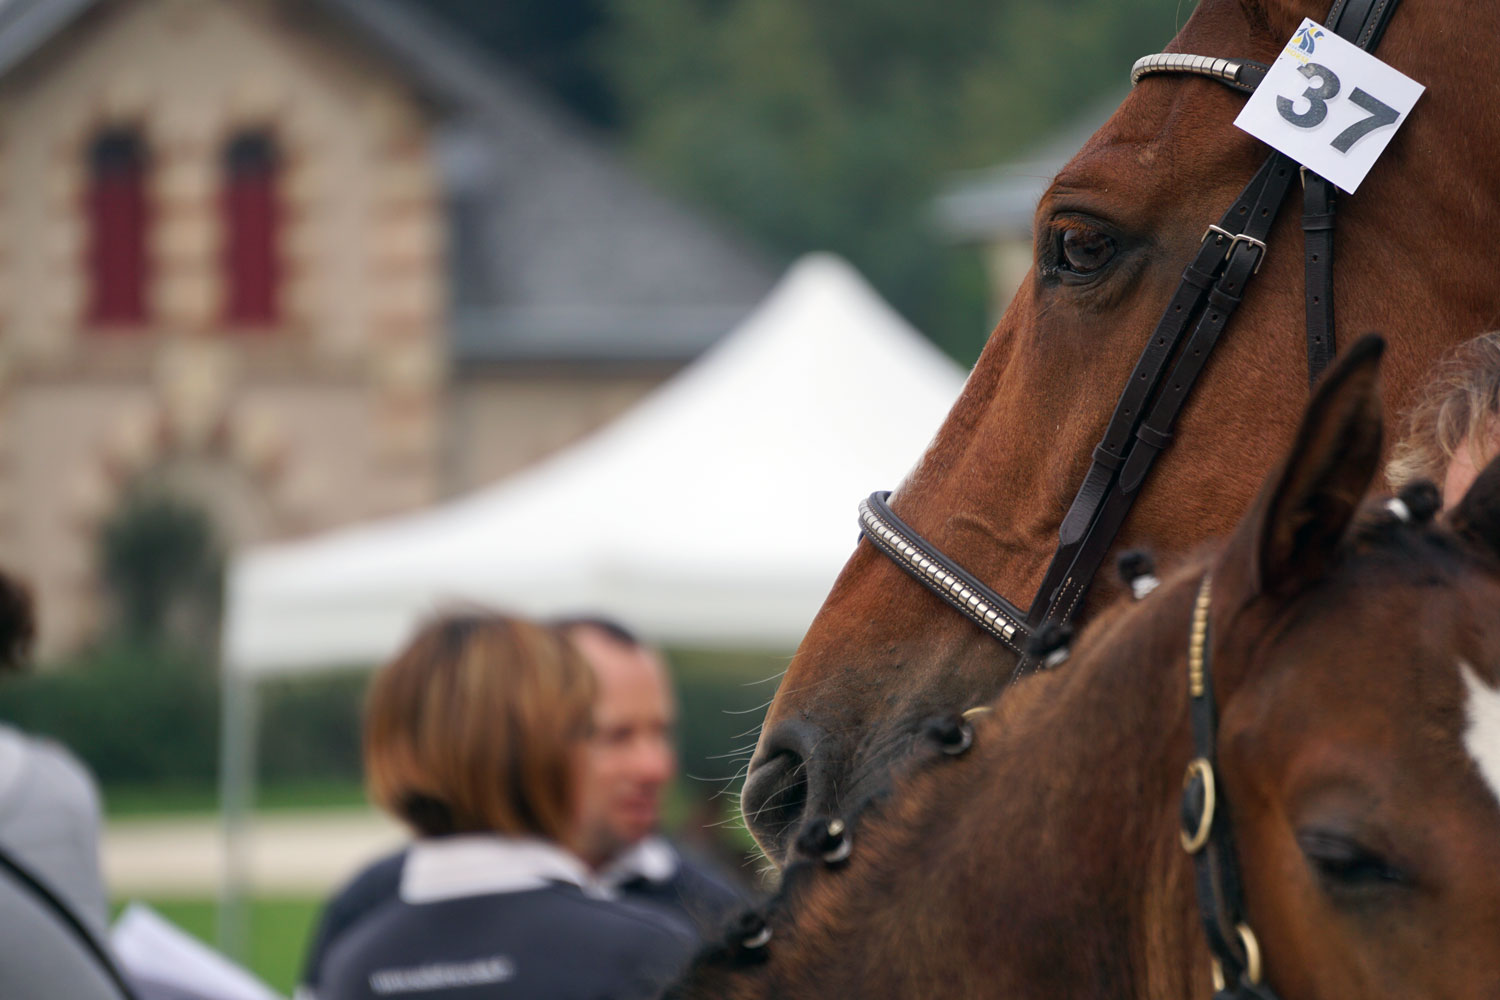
(1306, 506)
(1477, 516)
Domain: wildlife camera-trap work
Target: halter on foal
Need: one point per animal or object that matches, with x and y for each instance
(1337, 690)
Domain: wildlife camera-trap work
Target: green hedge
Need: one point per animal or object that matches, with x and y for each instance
(135, 715)
(149, 716)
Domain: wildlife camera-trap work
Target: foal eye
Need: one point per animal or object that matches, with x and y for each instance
(1343, 863)
(1085, 251)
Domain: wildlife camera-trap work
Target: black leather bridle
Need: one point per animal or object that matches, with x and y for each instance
(1140, 428)
(1206, 834)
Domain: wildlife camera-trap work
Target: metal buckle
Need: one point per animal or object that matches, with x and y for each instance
(1214, 228)
(1234, 238)
(1242, 238)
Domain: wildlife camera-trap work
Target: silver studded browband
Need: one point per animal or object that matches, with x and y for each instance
(1242, 74)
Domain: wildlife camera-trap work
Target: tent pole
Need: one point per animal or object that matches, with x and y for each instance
(237, 754)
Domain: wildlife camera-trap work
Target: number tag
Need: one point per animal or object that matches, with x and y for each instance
(1329, 105)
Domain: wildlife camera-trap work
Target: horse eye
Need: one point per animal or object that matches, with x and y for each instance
(1342, 863)
(1085, 251)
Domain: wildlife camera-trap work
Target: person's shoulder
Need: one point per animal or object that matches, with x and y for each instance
(371, 888)
(53, 774)
(620, 923)
(376, 882)
(696, 893)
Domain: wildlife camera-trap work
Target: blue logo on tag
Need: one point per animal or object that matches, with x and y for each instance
(1306, 38)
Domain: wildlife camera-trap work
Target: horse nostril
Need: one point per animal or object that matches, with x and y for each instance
(776, 791)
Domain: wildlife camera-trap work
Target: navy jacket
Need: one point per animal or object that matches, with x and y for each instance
(551, 943)
(693, 895)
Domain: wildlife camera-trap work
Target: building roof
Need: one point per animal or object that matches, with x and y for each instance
(559, 251)
(1000, 201)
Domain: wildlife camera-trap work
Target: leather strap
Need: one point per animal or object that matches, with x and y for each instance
(1362, 22)
(1198, 278)
(1215, 863)
(1317, 241)
(1155, 432)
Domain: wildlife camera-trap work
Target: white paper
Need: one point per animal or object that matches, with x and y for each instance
(149, 946)
(1329, 105)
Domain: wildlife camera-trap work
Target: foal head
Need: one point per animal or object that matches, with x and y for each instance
(1353, 655)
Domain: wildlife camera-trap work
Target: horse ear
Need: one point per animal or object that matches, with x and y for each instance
(1476, 518)
(1306, 506)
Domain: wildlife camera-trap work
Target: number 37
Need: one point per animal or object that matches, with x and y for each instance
(1381, 114)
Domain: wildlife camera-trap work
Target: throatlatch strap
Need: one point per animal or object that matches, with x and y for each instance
(1317, 239)
(1362, 22)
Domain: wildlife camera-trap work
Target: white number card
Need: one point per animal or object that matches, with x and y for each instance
(1329, 105)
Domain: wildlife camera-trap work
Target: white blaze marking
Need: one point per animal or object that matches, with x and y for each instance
(1482, 737)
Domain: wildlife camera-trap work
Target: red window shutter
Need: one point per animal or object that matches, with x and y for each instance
(117, 213)
(251, 224)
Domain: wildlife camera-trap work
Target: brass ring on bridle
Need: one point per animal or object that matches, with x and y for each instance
(1193, 842)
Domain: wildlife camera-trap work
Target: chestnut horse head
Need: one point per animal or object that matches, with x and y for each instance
(1351, 701)
(1113, 233)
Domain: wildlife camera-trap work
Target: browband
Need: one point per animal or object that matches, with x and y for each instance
(1241, 74)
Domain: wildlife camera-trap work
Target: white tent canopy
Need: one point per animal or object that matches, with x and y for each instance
(717, 511)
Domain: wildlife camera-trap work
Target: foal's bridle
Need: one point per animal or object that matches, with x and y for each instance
(1140, 428)
(1206, 834)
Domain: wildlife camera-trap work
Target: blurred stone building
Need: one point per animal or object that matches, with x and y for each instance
(305, 262)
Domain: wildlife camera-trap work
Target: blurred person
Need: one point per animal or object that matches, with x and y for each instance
(49, 804)
(1453, 428)
(477, 737)
(631, 761)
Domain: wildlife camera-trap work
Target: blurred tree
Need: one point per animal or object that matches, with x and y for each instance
(833, 123)
(163, 567)
(551, 41)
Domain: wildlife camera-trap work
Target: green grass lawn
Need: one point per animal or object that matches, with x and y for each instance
(279, 931)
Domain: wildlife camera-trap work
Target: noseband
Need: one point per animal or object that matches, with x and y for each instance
(1213, 284)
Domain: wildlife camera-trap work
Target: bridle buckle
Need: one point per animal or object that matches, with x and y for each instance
(1257, 244)
(1215, 229)
(1233, 238)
